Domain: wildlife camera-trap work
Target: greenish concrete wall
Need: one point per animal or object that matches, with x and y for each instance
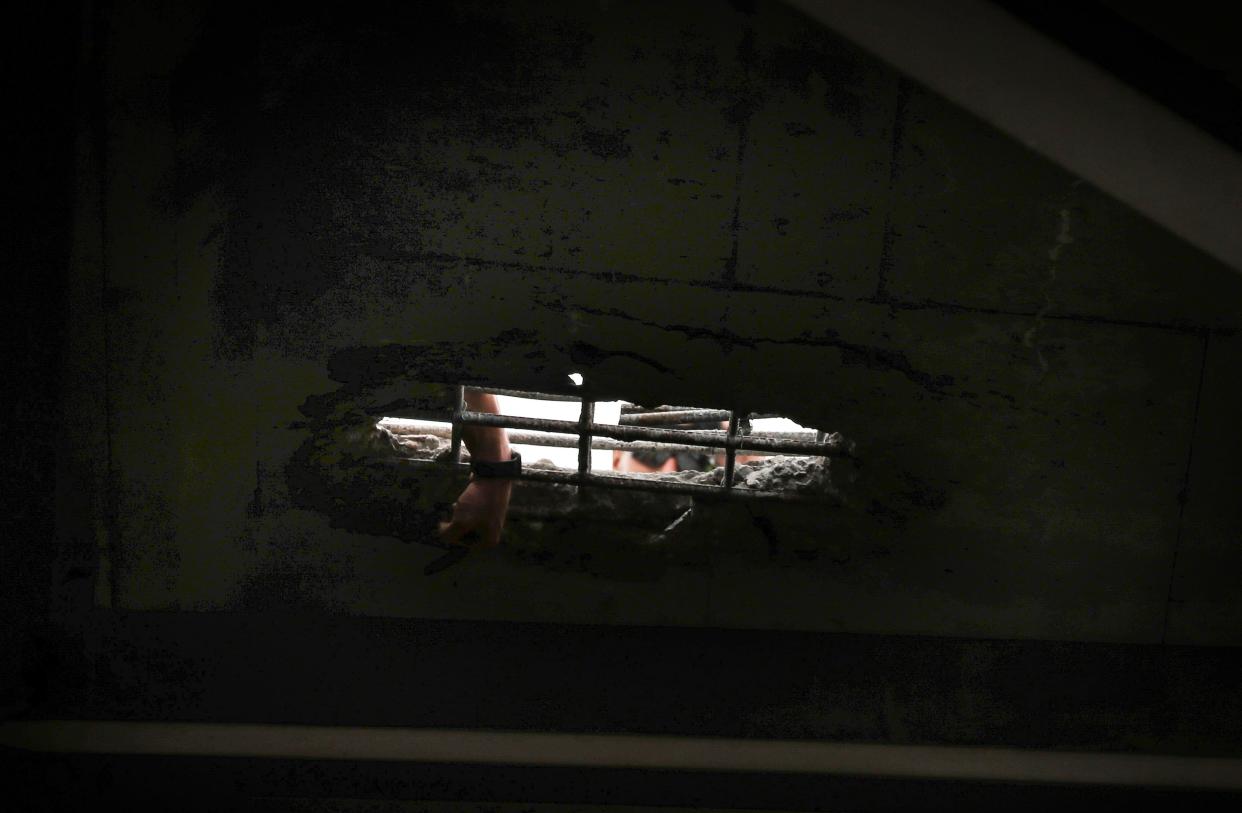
(305, 221)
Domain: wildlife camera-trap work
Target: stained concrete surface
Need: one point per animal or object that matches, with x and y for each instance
(291, 664)
(218, 326)
(305, 223)
(1207, 574)
(817, 152)
(977, 220)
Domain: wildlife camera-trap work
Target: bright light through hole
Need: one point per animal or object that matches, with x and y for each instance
(606, 412)
(777, 425)
(576, 378)
(565, 458)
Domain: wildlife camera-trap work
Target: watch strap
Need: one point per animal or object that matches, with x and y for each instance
(505, 468)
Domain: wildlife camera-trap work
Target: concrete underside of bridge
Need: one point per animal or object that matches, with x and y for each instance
(282, 227)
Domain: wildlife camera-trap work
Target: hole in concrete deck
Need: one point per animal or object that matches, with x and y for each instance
(654, 459)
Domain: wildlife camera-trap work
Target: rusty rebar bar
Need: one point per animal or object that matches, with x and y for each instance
(730, 450)
(410, 426)
(686, 437)
(585, 419)
(536, 396)
(459, 409)
(633, 409)
(674, 416)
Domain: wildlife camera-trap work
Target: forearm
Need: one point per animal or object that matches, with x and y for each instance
(487, 443)
(481, 508)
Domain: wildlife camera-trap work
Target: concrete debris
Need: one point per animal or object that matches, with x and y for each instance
(802, 474)
(420, 445)
(380, 441)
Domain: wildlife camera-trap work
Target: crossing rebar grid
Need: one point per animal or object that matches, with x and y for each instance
(641, 430)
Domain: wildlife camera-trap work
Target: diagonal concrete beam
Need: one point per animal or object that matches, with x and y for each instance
(1063, 107)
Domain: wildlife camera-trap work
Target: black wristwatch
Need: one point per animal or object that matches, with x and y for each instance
(507, 468)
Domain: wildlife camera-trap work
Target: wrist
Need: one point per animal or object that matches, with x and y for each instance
(491, 485)
(487, 469)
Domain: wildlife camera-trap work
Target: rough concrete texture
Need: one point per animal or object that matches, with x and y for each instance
(303, 221)
(1008, 230)
(803, 475)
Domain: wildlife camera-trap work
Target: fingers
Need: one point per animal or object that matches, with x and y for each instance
(457, 531)
(478, 515)
(452, 532)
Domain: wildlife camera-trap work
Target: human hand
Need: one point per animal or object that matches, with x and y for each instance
(480, 510)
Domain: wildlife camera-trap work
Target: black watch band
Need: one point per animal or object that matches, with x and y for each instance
(508, 468)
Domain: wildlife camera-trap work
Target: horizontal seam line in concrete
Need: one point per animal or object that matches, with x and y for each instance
(951, 307)
(621, 276)
(888, 301)
(620, 751)
(810, 341)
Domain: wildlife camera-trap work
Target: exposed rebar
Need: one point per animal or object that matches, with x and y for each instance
(687, 437)
(459, 410)
(536, 396)
(730, 450)
(674, 416)
(410, 426)
(585, 419)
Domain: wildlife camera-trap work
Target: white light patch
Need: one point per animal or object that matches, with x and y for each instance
(777, 425)
(576, 378)
(605, 412)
